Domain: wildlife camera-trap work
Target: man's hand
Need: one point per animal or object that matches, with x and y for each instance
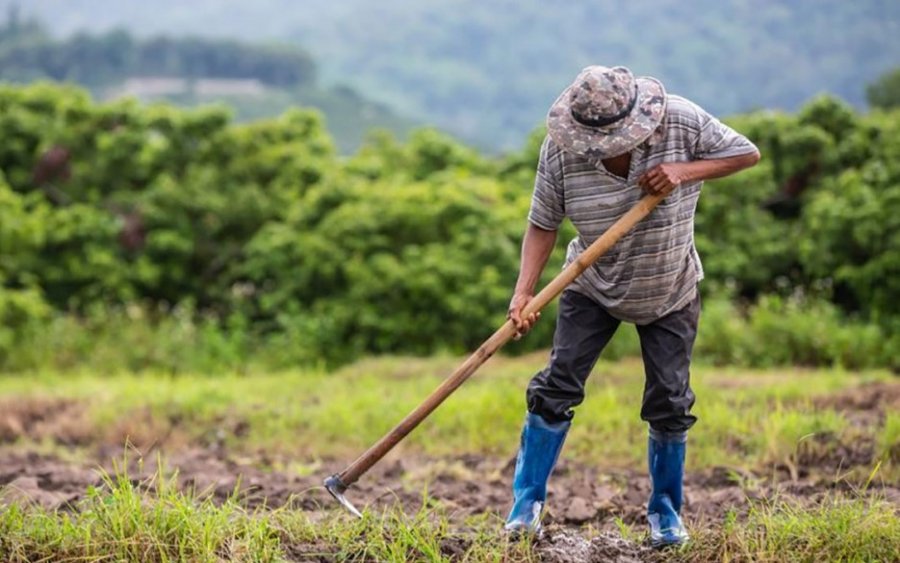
(523, 324)
(663, 178)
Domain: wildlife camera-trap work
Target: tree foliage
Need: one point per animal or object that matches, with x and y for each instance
(403, 247)
(884, 93)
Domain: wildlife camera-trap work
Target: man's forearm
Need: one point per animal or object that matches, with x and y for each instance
(536, 249)
(665, 177)
(698, 170)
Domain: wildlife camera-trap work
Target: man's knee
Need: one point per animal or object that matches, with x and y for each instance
(669, 413)
(553, 393)
(666, 346)
(582, 330)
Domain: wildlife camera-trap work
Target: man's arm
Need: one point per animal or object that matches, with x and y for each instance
(536, 249)
(664, 178)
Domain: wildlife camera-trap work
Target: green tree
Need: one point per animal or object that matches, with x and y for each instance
(262, 231)
(852, 229)
(884, 93)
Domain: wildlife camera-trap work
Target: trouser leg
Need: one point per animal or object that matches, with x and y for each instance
(666, 346)
(583, 329)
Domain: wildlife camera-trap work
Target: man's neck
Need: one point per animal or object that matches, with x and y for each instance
(618, 165)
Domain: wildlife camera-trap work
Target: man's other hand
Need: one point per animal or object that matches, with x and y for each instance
(663, 178)
(523, 324)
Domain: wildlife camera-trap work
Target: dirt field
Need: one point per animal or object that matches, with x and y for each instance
(587, 505)
(580, 496)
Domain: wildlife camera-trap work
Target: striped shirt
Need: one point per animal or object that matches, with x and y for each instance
(654, 269)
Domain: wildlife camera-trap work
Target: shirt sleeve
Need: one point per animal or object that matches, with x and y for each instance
(717, 140)
(547, 203)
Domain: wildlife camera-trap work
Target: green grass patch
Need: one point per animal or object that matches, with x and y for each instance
(889, 439)
(862, 529)
(118, 522)
(151, 521)
(746, 417)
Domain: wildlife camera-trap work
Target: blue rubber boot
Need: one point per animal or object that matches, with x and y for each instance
(540, 446)
(666, 460)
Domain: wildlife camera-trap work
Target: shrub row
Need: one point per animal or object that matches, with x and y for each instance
(231, 239)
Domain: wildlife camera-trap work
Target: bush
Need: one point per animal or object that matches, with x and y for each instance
(137, 237)
(788, 331)
(134, 339)
(22, 313)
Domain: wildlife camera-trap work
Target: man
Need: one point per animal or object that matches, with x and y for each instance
(611, 138)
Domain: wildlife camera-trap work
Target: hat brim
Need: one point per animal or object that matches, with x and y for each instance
(617, 138)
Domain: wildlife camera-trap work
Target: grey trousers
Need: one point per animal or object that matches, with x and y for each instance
(583, 328)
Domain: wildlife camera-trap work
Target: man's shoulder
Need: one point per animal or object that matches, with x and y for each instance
(550, 148)
(553, 155)
(683, 111)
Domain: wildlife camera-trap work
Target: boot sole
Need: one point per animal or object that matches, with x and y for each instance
(660, 545)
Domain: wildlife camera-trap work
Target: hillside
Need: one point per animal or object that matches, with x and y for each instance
(255, 78)
(487, 71)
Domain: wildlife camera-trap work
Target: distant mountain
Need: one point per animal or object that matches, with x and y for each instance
(256, 80)
(487, 71)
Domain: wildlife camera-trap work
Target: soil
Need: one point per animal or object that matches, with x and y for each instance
(585, 505)
(580, 496)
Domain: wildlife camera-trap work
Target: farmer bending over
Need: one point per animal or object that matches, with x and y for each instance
(611, 137)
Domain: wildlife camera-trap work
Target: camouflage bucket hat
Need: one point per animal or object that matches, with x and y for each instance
(606, 112)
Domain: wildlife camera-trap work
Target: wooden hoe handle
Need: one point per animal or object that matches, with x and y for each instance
(497, 340)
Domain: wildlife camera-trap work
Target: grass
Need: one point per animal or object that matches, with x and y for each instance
(122, 522)
(889, 438)
(837, 529)
(151, 521)
(747, 417)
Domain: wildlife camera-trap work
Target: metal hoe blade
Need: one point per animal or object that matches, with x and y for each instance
(337, 488)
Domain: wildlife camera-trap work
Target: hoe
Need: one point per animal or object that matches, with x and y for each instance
(338, 483)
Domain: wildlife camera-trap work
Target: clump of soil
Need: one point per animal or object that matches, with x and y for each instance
(44, 480)
(879, 396)
(41, 418)
(865, 405)
(564, 545)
